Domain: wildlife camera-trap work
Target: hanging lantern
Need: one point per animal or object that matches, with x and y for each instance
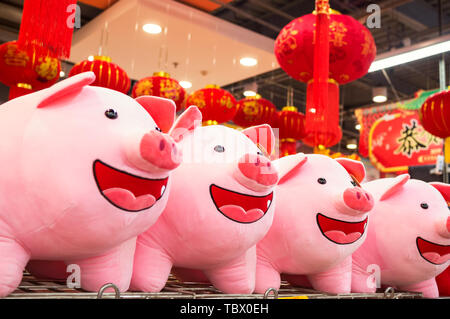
(435, 118)
(254, 110)
(26, 72)
(291, 124)
(217, 105)
(352, 48)
(160, 84)
(108, 74)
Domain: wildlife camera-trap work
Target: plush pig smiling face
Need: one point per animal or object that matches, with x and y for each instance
(107, 161)
(323, 208)
(412, 224)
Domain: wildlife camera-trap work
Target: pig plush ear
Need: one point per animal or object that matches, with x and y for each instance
(354, 168)
(395, 186)
(162, 110)
(186, 123)
(444, 189)
(289, 166)
(60, 89)
(262, 136)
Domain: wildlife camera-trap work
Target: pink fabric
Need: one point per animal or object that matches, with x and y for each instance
(406, 239)
(63, 164)
(212, 221)
(314, 231)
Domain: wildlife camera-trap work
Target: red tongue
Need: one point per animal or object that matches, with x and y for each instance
(341, 238)
(126, 199)
(239, 214)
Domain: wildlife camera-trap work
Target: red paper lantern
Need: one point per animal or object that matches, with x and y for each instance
(160, 84)
(217, 105)
(435, 114)
(352, 48)
(254, 110)
(108, 74)
(27, 71)
(291, 125)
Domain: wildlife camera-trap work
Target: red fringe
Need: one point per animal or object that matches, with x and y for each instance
(45, 23)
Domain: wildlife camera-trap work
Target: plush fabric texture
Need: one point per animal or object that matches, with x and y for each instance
(74, 187)
(215, 215)
(408, 237)
(320, 220)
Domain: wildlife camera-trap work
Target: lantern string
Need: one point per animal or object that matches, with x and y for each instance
(188, 47)
(136, 32)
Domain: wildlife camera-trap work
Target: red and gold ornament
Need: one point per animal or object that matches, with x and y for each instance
(217, 105)
(108, 74)
(291, 125)
(254, 110)
(162, 85)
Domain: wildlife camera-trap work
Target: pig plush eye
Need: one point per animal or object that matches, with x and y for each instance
(111, 114)
(322, 181)
(424, 205)
(158, 129)
(219, 148)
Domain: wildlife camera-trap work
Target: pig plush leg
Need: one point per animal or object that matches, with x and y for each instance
(428, 288)
(13, 259)
(361, 280)
(151, 268)
(236, 277)
(336, 280)
(116, 267)
(266, 276)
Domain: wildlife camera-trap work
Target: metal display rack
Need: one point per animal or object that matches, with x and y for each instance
(33, 288)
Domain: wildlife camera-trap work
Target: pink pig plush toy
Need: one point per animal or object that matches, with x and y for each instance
(408, 238)
(320, 220)
(83, 171)
(221, 204)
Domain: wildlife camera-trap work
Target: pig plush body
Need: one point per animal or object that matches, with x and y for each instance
(408, 238)
(221, 204)
(83, 171)
(320, 220)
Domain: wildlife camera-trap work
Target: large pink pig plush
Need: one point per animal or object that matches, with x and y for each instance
(83, 171)
(320, 220)
(408, 239)
(221, 204)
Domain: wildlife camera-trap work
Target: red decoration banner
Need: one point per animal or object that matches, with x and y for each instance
(397, 141)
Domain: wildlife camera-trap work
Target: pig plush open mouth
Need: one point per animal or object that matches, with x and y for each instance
(433, 253)
(127, 191)
(239, 207)
(339, 231)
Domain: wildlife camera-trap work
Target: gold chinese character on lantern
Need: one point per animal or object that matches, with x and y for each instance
(337, 34)
(15, 57)
(47, 68)
(145, 88)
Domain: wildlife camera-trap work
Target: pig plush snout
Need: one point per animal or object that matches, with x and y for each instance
(358, 199)
(160, 150)
(256, 172)
(443, 226)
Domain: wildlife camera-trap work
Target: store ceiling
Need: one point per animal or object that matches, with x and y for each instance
(403, 22)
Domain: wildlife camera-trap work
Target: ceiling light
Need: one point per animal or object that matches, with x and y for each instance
(379, 94)
(352, 146)
(152, 28)
(62, 74)
(249, 93)
(185, 84)
(248, 61)
(358, 126)
(91, 58)
(416, 52)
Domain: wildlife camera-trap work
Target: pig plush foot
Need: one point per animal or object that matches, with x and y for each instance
(266, 277)
(114, 267)
(13, 258)
(151, 269)
(236, 277)
(428, 288)
(336, 280)
(361, 281)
